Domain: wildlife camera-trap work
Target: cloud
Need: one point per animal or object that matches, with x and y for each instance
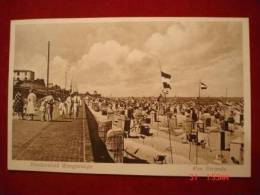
(101, 65)
(36, 63)
(58, 67)
(124, 58)
(114, 68)
(211, 52)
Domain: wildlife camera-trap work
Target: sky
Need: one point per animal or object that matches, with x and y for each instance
(125, 58)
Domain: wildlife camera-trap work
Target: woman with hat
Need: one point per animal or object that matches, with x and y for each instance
(31, 99)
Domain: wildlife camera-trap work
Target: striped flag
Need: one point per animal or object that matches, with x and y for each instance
(166, 79)
(203, 86)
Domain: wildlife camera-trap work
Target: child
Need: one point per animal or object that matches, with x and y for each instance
(62, 109)
(25, 108)
(49, 107)
(43, 109)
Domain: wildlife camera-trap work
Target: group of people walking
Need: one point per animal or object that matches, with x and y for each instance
(28, 106)
(24, 106)
(70, 106)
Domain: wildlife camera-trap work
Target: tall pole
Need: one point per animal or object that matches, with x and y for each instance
(168, 124)
(199, 94)
(71, 86)
(48, 66)
(197, 133)
(159, 64)
(65, 80)
(226, 94)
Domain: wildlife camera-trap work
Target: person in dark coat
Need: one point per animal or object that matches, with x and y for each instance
(18, 105)
(194, 117)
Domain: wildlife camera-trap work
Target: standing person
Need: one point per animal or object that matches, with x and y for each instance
(76, 103)
(18, 105)
(43, 109)
(237, 114)
(49, 107)
(25, 106)
(31, 102)
(194, 117)
(62, 109)
(69, 105)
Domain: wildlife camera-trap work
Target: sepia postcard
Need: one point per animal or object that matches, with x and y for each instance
(133, 96)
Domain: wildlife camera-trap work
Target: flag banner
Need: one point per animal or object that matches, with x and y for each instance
(203, 86)
(166, 85)
(166, 79)
(165, 75)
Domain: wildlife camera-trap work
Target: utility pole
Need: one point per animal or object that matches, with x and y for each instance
(199, 93)
(226, 94)
(168, 124)
(165, 101)
(65, 80)
(48, 66)
(197, 133)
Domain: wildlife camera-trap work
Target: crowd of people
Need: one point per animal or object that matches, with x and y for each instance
(29, 106)
(222, 115)
(180, 117)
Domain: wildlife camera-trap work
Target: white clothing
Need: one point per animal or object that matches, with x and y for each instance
(31, 99)
(62, 108)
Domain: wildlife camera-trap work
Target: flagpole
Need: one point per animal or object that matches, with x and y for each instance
(197, 138)
(158, 109)
(226, 94)
(199, 93)
(65, 85)
(159, 63)
(168, 124)
(48, 67)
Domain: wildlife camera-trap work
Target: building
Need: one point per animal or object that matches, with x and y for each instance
(23, 75)
(35, 84)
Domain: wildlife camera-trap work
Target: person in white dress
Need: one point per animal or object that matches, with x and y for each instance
(76, 103)
(69, 105)
(49, 107)
(62, 109)
(31, 103)
(237, 116)
(43, 109)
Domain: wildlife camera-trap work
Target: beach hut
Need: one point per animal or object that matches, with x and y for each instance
(115, 144)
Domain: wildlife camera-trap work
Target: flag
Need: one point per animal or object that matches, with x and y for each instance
(203, 86)
(166, 85)
(165, 75)
(166, 79)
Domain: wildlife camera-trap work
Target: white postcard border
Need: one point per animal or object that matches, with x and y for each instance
(137, 169)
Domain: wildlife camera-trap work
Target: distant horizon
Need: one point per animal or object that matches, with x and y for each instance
(172, 96)
(138, 96)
